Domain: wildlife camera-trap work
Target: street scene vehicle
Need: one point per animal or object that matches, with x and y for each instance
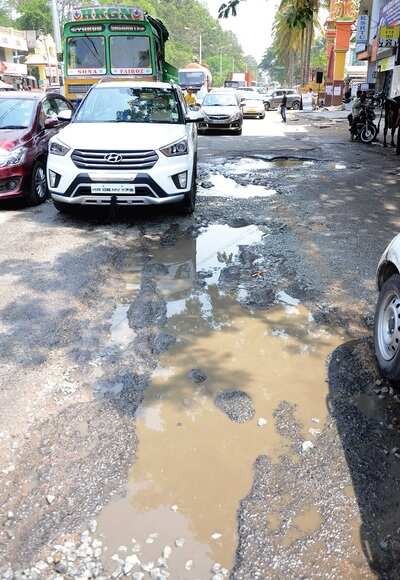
(119, 42)
(253, 106)
(363, 127)
(274, 100)
(387, 314)
(129, 143)
(27, 122)
(196, 77)
(230, 91)
(222, 112)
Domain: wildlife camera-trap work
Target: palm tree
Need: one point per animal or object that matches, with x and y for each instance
(294, 30)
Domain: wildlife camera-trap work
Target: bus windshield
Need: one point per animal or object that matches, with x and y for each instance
(130, 55)
(86, 54)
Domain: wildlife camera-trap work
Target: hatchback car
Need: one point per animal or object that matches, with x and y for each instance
(222, 112)
(273, 100)
(253, 106)
(27, 122)
(387, 314)
(129, 143)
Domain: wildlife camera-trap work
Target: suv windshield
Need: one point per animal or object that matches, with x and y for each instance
(130, 105)
(86, 54)
(130, 55)
(16, 113)
(220, 100)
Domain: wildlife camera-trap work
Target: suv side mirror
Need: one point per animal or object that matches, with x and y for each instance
(51, 122)
(194, 117)
(65, 116)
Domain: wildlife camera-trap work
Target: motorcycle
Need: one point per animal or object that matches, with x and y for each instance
(363, 127)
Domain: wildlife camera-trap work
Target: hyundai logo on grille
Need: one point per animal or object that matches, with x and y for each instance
(113, 157)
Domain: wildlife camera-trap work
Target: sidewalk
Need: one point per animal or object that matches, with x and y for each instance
(325, 113)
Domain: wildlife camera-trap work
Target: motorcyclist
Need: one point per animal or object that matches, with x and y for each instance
(358, 103)
(190, 98)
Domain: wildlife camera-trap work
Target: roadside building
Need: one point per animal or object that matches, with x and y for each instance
(338, 32)
(13, 51)
(42, 59)
(378, 31)
(356, 71)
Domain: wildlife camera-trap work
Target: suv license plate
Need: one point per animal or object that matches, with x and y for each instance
(112, 188)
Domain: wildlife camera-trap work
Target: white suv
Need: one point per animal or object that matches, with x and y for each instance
(129, 143)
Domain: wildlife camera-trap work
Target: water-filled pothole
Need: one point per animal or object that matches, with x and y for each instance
(194, 461)
(222, 186)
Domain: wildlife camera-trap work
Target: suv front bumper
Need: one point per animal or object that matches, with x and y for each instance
(148, 192)
(155, 186)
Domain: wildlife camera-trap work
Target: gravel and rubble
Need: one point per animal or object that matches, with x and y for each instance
(85, 557)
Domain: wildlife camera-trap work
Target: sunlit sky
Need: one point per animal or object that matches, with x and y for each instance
(252, 25)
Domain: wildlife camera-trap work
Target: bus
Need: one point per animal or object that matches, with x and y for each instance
(115, 42)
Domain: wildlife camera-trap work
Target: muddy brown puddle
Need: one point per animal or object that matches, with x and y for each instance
(194, 465)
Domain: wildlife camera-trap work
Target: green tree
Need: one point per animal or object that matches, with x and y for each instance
(34, 15)
(5, 14)
(295, 23)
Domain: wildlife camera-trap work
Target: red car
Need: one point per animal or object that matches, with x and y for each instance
(27, 121)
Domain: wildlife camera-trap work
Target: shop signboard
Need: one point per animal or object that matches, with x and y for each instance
(389, 36)
(13, 69)
(14, 39)
(362, 33)
(390, 14)
(386, 64)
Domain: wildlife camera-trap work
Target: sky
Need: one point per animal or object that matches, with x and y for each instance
(252, 25)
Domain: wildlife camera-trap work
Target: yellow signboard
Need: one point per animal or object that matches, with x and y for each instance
(389, 36)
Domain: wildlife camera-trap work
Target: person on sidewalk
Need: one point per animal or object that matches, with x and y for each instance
(284, 107)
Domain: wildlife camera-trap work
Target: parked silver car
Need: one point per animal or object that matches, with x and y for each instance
(387, 314)
(274, 99)
(222, 112)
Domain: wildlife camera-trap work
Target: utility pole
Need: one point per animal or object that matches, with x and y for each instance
(200, 48)
(56, 25)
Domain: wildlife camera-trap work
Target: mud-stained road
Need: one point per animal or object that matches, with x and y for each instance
(197, 397)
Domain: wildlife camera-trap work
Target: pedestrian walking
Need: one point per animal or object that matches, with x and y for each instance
(284, 107)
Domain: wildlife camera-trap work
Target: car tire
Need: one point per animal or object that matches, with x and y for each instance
(262, 116)
(189, 203)
(38, 185)
(267, 106)
(239, 131)
(387, 329)
(296, 105)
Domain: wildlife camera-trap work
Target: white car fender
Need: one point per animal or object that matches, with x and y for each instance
(390, 256)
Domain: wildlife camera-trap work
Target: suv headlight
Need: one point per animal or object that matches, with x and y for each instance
(178, 148)
(13, 157)
(57, 147)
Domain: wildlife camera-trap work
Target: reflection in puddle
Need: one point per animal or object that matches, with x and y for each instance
(245, 164)
(218, 246)
(228, 187)
(121, 333)
(190, 453)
